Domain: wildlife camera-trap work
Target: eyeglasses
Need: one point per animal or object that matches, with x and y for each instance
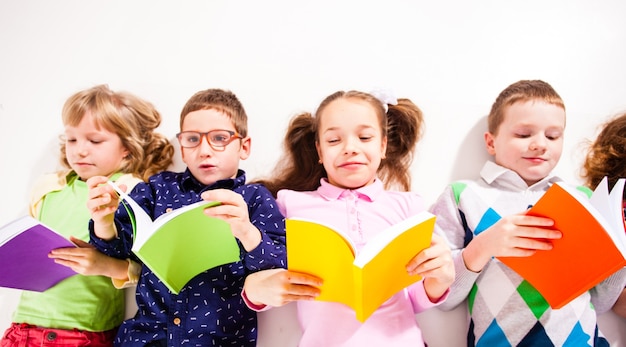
(217, 139)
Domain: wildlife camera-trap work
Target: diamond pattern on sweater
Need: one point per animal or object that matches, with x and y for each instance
(488, 219)
(537, 304)
(494, 336)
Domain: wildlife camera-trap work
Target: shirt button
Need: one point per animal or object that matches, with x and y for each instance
(168, 210)
(177, 321)
(51, 336)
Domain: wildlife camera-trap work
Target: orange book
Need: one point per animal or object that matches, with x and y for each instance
(362, 281)
(592, 248)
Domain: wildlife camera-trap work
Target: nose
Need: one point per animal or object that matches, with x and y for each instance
(538, 143)
(204, 146)
(350, 145)
(83, 148)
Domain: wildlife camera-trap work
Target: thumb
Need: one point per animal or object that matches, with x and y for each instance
(80, 243)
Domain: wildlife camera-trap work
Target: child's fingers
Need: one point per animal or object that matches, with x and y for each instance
(95, 181)
(432, 257)
(224, 196)
(80, 243)
(299, 278)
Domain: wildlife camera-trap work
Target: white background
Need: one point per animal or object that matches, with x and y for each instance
(451, 58)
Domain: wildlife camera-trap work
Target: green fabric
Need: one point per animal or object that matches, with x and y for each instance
(83, 302)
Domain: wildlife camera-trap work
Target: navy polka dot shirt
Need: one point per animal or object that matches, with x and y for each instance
(209, 310)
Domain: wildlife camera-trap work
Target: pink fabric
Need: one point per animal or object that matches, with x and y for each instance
(362, 213)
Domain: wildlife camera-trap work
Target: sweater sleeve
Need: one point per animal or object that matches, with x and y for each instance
(605, 293)
(450, 225)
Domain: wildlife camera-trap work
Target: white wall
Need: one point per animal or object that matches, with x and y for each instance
(452, 58)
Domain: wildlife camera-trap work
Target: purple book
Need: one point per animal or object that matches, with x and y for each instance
(24, 263)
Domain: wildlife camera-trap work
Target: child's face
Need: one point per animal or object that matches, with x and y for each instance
(91, 151)
(206, 164)
(350, 143)
(530, 139)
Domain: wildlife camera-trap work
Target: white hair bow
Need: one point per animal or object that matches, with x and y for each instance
(386, 97)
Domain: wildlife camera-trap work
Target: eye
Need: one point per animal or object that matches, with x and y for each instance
(553, 135)
(522, 135)
(365, 138)
(192, 138)
(220, 138)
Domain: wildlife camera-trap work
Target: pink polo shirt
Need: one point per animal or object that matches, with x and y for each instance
(362, 213)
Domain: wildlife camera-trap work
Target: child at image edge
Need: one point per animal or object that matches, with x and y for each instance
(209, 310)
(606, 156)
(484, 219)
(335, 170)
(108, 134)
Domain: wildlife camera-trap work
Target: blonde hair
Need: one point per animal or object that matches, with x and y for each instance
(128, 116)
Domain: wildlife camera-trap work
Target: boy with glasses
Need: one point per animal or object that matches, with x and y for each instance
(209, 310)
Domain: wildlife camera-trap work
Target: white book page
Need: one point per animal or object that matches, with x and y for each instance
(609, 205)
(12, 229)
(382, 239)
(142, 219)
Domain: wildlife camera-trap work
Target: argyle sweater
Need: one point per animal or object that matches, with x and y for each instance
(504, 309)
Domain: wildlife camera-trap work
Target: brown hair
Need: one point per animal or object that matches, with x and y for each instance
(220, 100)
(606, 156)
(298, 168)
(520, 91)
(131, 118)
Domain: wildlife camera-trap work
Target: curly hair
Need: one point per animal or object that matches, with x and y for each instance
(606, 156)
(131, 118)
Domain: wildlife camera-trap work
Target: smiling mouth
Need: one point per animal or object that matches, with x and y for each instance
(352, 164)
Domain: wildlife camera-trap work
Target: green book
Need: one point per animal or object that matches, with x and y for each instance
(179, 245)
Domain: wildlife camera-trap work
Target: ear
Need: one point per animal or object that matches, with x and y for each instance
(383, 148)
(319, 151)
(182, 154)
(244, 150)
(489, 143)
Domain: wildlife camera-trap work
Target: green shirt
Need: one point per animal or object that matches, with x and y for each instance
(83, 302)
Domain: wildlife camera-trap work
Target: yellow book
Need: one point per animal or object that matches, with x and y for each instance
(362, 281)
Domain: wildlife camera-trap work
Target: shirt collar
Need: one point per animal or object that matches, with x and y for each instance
(492, 172)
(332, 192)
(190, 183)
(71, 176)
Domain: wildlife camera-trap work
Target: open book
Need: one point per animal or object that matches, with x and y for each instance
(362, 281)
(24, 247)
(593, 245)
(182, 243)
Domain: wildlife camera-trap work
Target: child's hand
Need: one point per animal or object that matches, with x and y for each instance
(277, 287)
(102, 203)
(436, 266)
(85, 260)
(517, 235)
(234, 210)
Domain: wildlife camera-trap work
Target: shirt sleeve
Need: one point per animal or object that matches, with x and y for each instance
(420, 300)
(264, 214)
(120, 246)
